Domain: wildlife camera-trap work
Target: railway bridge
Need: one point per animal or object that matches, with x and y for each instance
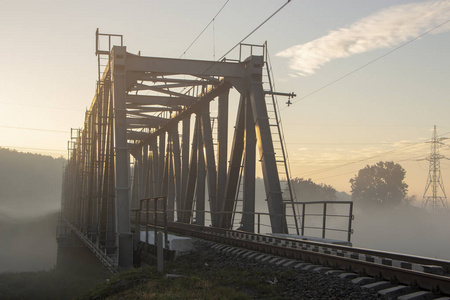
(154, 152)
(158, 127)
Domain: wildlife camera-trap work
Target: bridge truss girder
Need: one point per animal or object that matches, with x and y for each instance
(144, 106)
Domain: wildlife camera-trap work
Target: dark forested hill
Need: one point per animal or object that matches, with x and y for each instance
(30, 184)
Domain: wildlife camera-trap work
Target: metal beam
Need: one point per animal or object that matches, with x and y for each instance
(176, 167)
(125, 243)
(222, 145)
(223, 86)
(184, 66)
(248, 205)
(266, 150)
(160, 100)
(201, 176)
(192, 179)
(185, 159)
(208, 153)
(237, 149)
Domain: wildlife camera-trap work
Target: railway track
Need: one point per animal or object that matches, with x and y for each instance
(411, 272)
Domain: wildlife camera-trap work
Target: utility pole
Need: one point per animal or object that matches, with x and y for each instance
(437, 201)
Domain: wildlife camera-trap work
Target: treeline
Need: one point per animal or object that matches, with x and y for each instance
(30, 184)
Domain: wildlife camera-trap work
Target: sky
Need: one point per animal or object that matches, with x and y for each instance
(371, 77)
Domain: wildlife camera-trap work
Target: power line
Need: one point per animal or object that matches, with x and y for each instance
(254, 30)
(26, 148)
(361, 160)
(367, 64)
(40, 106)
(346, 173)
(367, 158)
(34, 129)
(198, 36)
(337, 143)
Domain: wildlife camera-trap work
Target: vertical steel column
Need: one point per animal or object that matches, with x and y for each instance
(150, 180)
(210, 163)
(92, 182)
(135, 196)
(184, 164)
(192, 178)
(144, 182)
(222, 145)
(248, 206)
(324, 220)
(176, 167)
(110, 182)
(155, 168)
(235, 165)
(165, 176)
(170, 180)
(265, 145)
(162, 151)
(201, 176)
(124, 237)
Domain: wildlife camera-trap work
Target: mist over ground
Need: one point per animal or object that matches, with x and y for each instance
(30, 196)
(28, 244)
(30, 189)
(405, 229)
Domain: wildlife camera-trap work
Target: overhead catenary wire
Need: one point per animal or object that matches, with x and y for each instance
(366, 64)
(206, 27)
(247, 36)
(254, 30)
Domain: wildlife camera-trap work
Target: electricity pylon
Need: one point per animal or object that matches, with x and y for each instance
(437, 201)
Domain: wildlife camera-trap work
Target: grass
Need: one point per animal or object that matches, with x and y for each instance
(202, 276)
(200, 279)
(148, 283)
(53, 284)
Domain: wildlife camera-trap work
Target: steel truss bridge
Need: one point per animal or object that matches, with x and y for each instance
(159, 127)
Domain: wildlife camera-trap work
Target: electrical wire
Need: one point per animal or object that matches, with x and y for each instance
(254, 30)
(206, 27)
(34, 129)
(26, 148)
(40, 106)
(333, 143)
(360, 160)
(367, 158)
(248, 35)
(367, 64)
(355, 171)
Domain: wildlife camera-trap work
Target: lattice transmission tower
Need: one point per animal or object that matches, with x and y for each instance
(437, 201)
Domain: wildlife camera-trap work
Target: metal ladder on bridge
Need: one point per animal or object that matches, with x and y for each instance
(279, 145)
(278, 141)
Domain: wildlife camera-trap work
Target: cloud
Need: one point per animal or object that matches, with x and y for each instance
(385, 29)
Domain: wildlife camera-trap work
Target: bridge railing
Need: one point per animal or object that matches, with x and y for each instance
(152, 215)
(321, 215)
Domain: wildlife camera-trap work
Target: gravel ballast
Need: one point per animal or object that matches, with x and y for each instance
(288, 282)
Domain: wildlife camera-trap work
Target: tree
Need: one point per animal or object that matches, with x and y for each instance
(307, 190)
(380, 185)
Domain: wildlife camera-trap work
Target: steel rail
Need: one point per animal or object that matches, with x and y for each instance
(413, 278)
(445, 264)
